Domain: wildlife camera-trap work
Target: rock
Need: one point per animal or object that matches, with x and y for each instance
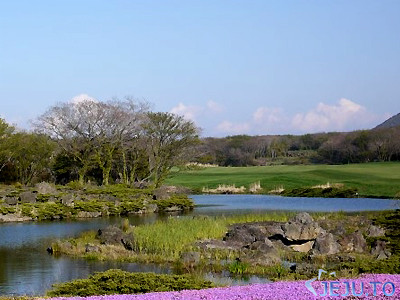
(375, 231)
(240, 235)
(151, 208)
(11, 200)
(301, 228)
(14, 218)
(45, 188)
(326, 244)
(354, 242)
(112, 235)
(172, 208)
(68, 200)
(28, 197)
(269, 256)
(127, 242)
(302, 218)
(218, 244)
(303, 247)
(92, 248)
(274, 228)
(88, 214)
(161, 193)
(380, 251)
(190, 259)
(261, 246)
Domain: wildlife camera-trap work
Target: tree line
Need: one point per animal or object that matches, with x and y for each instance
(123, 141)
(114, 141)
(325, 148)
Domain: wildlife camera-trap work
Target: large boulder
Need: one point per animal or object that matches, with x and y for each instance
(113, 235)
(68, 200)
(326, 244)
(240, 235)
(380, 250)
(375, 231)
(28, 197)
(354, 242)
(11, 200)
(46, 188)
(301, 228)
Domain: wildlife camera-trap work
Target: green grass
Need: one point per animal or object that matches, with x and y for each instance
(176, 235)
(370, 179)
(164, 241)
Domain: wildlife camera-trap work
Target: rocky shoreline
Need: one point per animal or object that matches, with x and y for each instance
(46, 202)
(266, 243)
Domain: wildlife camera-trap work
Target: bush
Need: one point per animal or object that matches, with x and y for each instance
(181, 201)
(331, 192)
(120, 282)
(4, 210)
(90, 206)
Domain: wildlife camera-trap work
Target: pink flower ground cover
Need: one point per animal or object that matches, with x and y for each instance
(367, 286)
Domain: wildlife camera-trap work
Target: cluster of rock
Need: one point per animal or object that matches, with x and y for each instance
(139, 203)
(262, 242)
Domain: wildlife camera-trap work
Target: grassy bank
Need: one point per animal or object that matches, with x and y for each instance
(165, 242)
(370, 179)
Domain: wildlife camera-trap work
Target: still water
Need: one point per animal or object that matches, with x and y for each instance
(27, 269)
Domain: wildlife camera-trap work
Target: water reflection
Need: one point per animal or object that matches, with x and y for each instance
(27, 269)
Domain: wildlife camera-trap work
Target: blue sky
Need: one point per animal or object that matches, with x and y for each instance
(234, 67)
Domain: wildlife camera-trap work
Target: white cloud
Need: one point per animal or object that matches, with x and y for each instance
(227, 127)
(81, 98)
(345, 115)
(267, 115)
(214, 107)
(189, 112)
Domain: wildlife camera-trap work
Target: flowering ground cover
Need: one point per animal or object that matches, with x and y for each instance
(367, 286)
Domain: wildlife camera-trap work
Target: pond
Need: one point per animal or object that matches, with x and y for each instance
(27, 269)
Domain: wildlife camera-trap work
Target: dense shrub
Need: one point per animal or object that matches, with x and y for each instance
(120, 282)
(331, 192)
(181, 201)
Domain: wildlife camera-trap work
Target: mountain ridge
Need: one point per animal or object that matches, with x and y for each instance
(393, 121)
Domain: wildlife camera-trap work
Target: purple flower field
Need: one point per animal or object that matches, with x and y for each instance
(367, 286)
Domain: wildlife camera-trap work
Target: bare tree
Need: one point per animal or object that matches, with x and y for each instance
(92, 131)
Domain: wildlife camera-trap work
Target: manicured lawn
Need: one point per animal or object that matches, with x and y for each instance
(371, 179)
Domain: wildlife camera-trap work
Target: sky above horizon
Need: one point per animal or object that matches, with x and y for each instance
(233, 67)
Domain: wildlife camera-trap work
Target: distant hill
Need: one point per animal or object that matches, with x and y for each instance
(391, 122)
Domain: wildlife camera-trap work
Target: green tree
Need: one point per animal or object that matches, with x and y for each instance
(6, 153)
(31, 155)
(168, 138)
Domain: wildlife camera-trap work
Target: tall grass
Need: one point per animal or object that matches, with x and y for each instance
(176, 235)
